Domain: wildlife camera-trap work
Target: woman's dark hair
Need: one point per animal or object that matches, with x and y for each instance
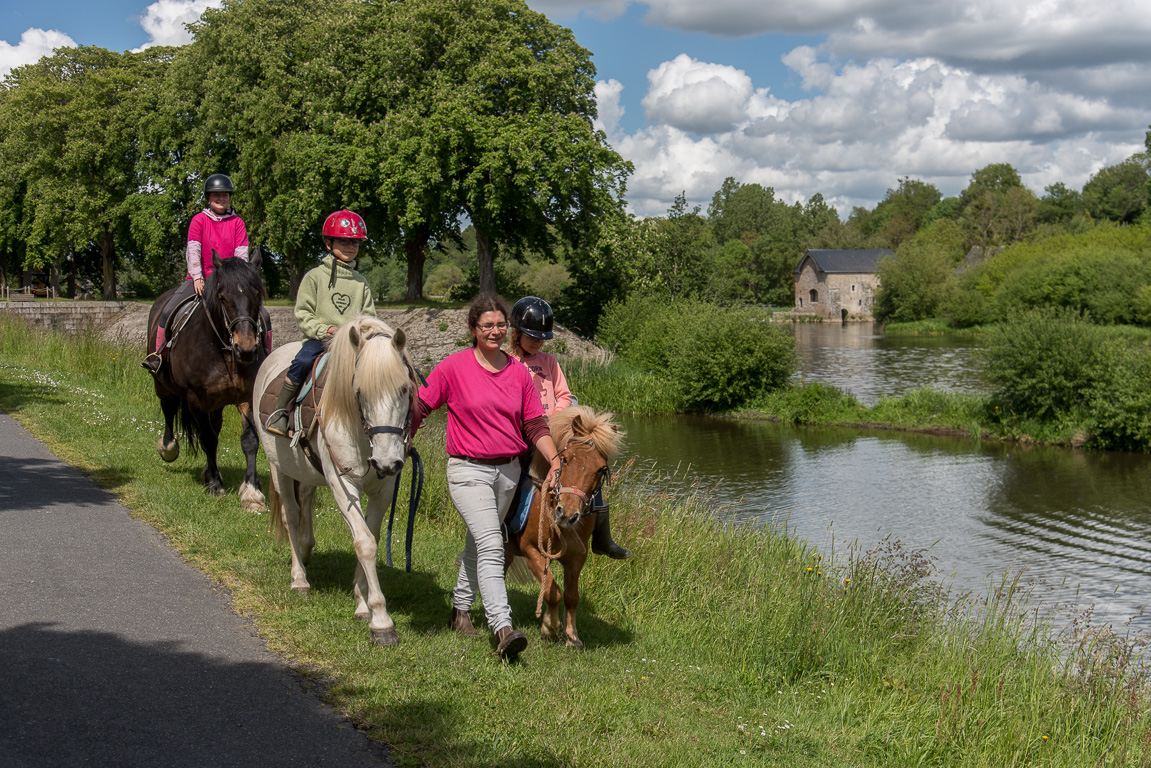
(485, 302)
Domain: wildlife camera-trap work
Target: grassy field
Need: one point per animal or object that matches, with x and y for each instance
(713, 646)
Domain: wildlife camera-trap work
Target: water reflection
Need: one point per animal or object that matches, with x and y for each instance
(858, 358)
(1079, 521)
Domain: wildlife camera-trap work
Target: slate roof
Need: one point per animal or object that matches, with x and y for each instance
(865, 261)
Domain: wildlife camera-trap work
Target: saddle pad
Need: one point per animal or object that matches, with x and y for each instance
(311, 390)
(517, 517)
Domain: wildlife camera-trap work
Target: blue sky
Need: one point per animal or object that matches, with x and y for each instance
(839, 97)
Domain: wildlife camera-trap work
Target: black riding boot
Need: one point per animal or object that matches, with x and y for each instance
(601, 541)
(278, 421)
(153, 362)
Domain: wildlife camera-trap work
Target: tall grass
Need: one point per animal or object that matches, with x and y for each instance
(715, 645)
(618, 386)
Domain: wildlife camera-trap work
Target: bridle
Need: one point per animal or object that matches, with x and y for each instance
(230, 326)
(558, 490)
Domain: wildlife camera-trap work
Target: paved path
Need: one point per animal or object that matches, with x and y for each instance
(115, 652)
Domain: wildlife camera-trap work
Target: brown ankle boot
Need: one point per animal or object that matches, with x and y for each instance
(461, 621)
(511, 643)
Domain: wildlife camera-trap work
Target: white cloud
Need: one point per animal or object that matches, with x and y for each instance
(610, 110)
(696, 96)
(34, 45)
(166, 21)
(864, 126)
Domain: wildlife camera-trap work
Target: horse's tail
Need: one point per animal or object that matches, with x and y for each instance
(277, 510)
(188, 427)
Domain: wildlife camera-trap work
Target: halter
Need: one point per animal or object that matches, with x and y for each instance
(371, 431)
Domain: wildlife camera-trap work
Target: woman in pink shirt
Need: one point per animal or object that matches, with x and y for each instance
(216, 228)
(492, 405)
(531, 323)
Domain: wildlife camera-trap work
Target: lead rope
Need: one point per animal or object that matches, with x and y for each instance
(553, 532)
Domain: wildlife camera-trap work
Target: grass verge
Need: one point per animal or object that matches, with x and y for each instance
(715, 645)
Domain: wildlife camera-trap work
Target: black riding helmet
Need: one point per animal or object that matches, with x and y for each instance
(533, 316)
(217, 182)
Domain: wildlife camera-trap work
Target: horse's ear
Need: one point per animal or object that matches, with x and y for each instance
(354, 336)
(615, 427)
(215, 259)
(255, 255)
(399, 339)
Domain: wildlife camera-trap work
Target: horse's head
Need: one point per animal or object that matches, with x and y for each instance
(370, 387)
(587, 441)
(233, 294)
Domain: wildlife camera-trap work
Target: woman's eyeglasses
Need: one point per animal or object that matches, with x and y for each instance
(489, 327)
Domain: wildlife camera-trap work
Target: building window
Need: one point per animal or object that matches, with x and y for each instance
(853, 287)
(800, 300)
(861, 302)
(814, 296)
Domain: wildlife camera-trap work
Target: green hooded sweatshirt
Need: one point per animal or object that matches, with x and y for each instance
(320, 304)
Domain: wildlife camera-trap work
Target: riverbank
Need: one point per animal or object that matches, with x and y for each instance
(713, 646)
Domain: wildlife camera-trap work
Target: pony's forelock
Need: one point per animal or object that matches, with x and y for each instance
(372, 366)
(596, 426)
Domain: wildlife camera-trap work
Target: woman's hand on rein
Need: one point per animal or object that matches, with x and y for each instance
(554, 472)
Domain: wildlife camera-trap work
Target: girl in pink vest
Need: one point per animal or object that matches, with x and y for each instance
(216, 228)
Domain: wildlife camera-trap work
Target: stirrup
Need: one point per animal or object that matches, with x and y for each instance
(152, 362)
(268, 423)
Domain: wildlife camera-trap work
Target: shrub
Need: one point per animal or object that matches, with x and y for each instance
(1047, 362)
(1121, 401)
(726, 357)
(716, 358)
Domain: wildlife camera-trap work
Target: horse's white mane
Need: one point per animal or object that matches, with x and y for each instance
(582, 422)
(366, 355)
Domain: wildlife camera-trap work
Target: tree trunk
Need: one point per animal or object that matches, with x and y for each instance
(54, 274)
(108, 256)
(3, 267)
(486, 262)
(72, 275)
(295, 274)
(416, 249)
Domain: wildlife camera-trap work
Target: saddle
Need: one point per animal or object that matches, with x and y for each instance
(302, 420)
(178, 318)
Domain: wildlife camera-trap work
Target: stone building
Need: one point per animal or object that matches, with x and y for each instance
(838, 285)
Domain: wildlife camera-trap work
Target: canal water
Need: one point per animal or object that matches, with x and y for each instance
(1076, 524)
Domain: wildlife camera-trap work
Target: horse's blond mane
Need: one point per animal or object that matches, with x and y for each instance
(582, 422)
(364, 357)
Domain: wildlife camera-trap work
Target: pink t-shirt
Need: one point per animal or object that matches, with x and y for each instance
(486, 411)
(550, 381)
(226, 234)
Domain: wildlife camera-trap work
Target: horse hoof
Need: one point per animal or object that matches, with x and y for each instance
(304, 590)
(385, 638)
(168, 451)
(215, 490)
(574, 643)
(251, 500)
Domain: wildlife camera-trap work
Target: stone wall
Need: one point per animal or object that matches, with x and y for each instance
(66, 316)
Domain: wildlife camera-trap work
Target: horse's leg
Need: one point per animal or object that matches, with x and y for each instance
(307, 535)
(251, 497)
(210, 424)
(294, 513)
(573, 564)
(550, 627)
(169, 447)
(377, 507)
(347, 497)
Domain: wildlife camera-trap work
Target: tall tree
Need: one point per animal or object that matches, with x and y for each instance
(903, 210)
(72, 140)
(500, 119)
(1119, 192)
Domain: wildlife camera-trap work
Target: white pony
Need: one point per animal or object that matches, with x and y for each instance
(361, 442)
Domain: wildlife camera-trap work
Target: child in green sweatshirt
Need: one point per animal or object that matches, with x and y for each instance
(329, 296)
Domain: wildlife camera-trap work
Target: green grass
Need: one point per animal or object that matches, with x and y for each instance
(620, 387)
(714, 645)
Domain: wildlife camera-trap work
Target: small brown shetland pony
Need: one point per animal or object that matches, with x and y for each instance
(560, 522)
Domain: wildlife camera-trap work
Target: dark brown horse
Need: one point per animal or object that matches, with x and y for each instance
(211, 364)
(560, 521)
